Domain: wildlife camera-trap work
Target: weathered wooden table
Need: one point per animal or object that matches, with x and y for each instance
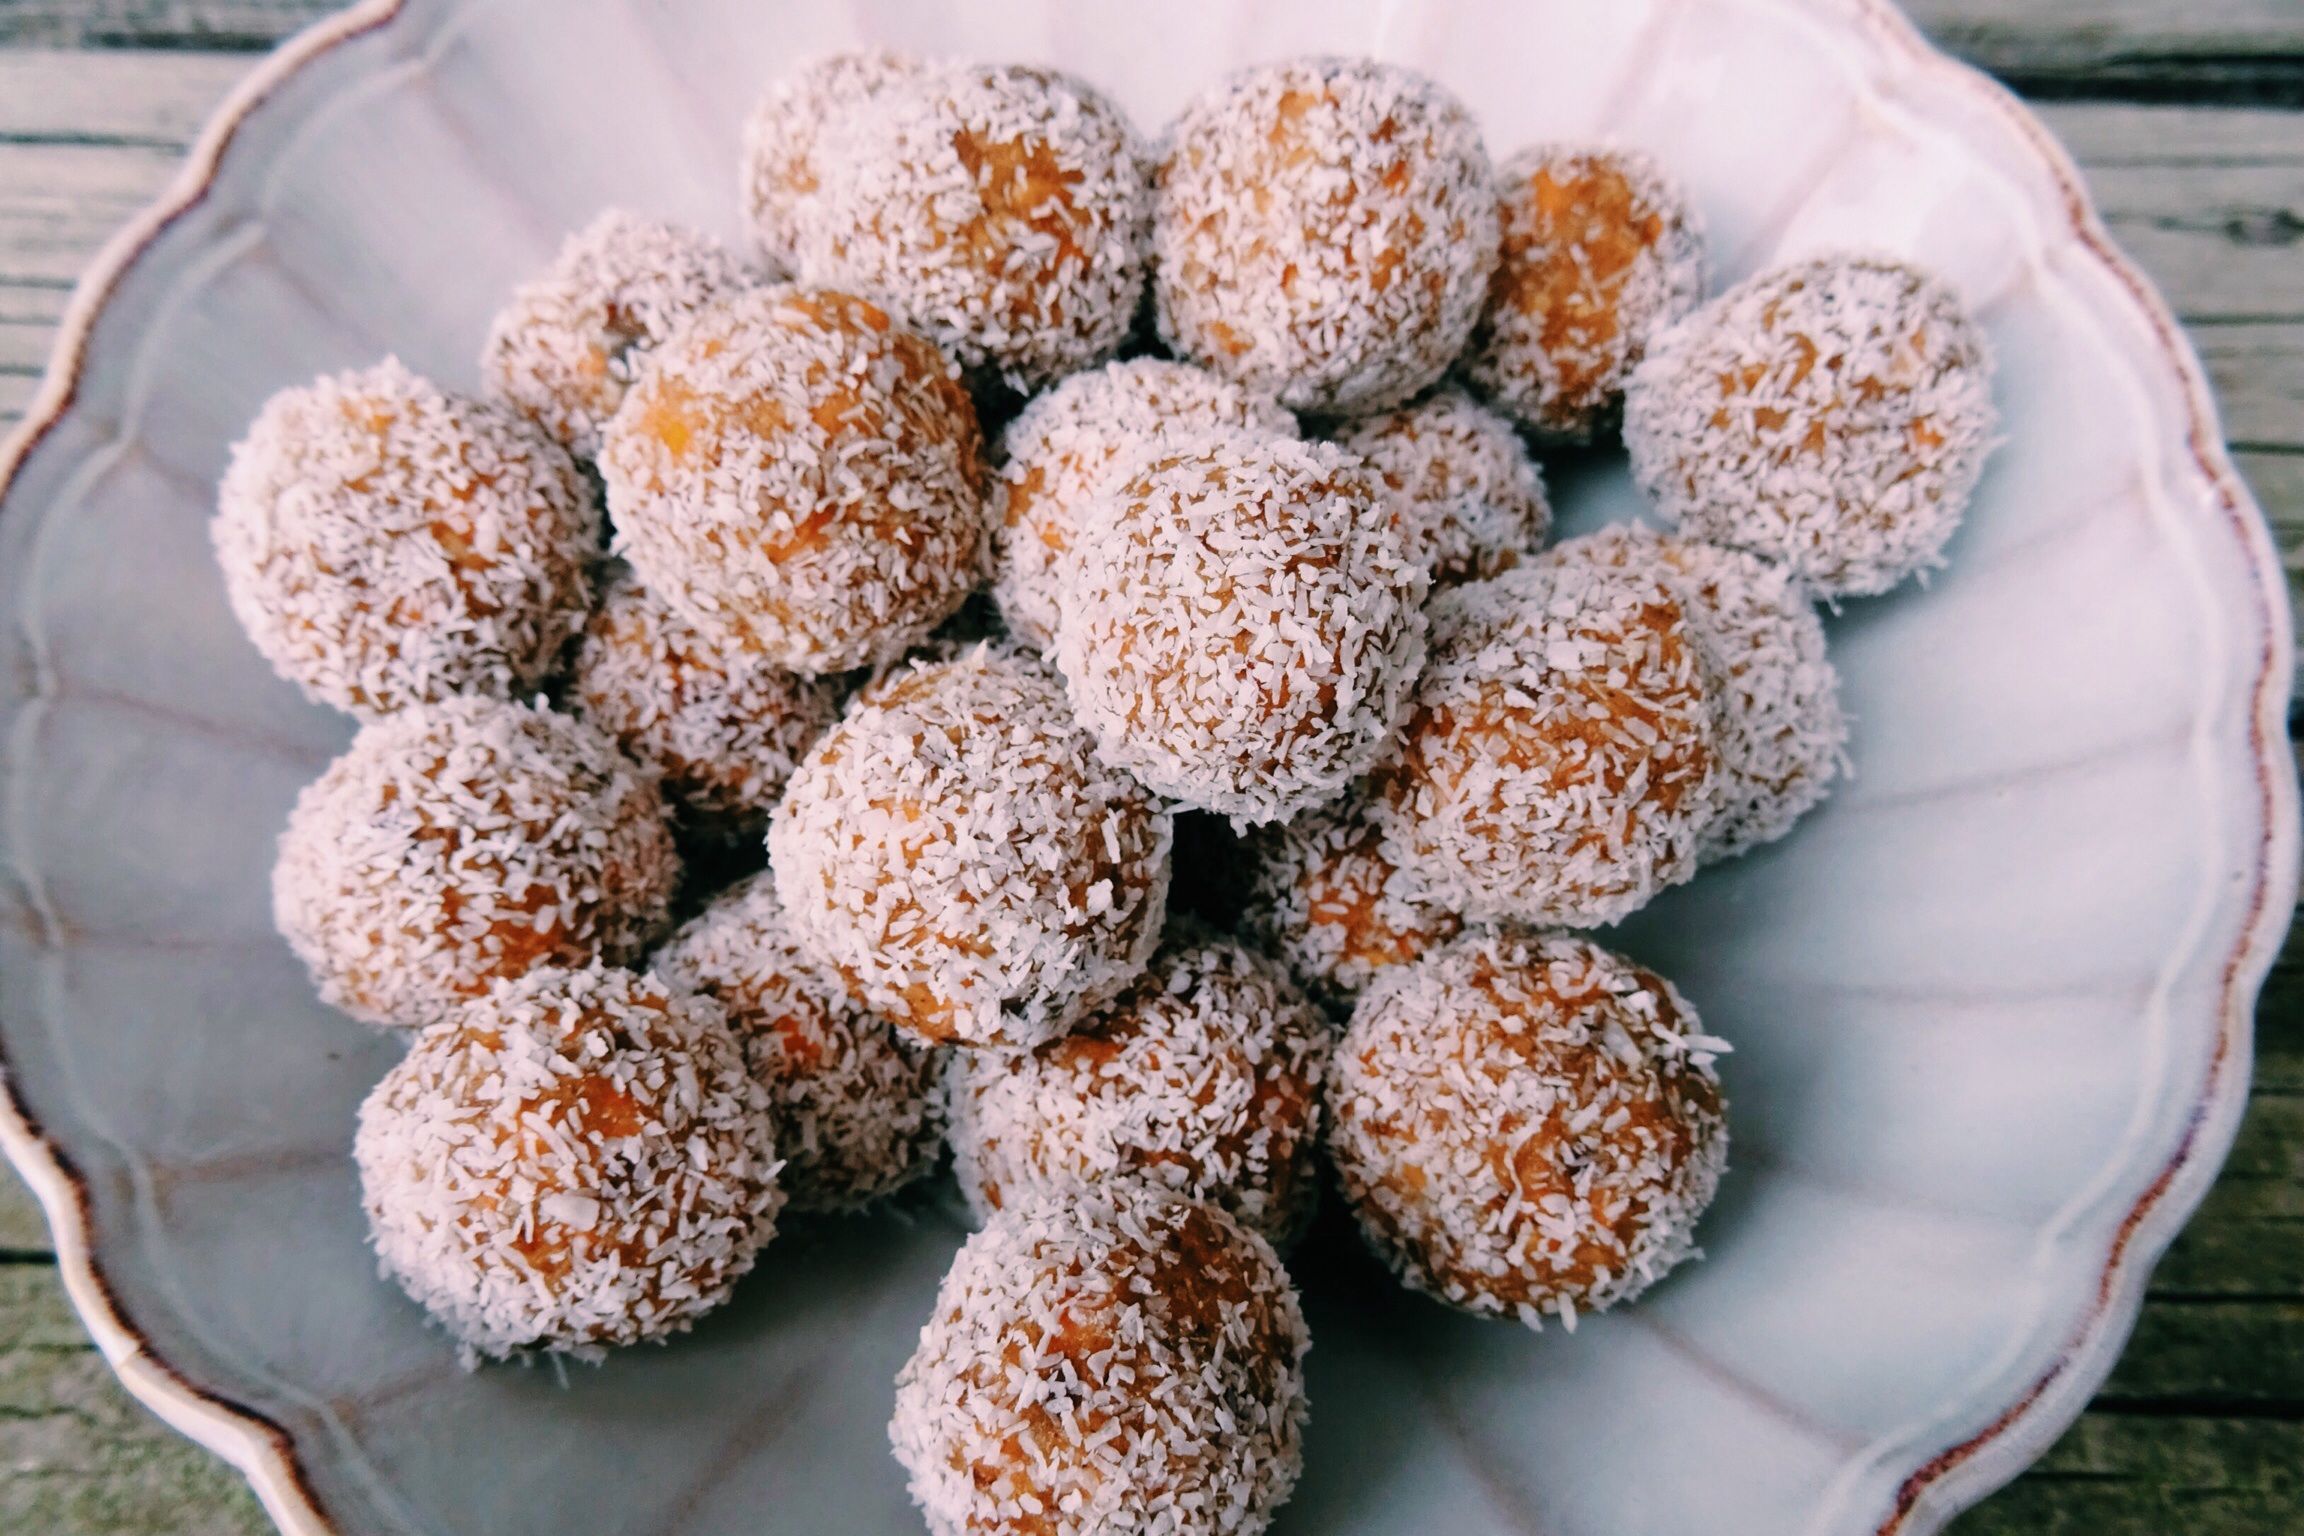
(2189, 118)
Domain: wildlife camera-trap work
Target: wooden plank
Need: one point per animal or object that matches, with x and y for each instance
(2146, 1475)
(77, 1454)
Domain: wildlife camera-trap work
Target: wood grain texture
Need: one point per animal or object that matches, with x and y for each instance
(2201, 1429)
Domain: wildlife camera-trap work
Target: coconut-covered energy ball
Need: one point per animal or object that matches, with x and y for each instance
(1202, 1079)
(1464, 486)
(567, 347)
(859, 1110)
(1000, 209)
(721, 727)
(1323, 230)
(1601, 250)
(1242, 622)
(1056, 450)
(457, 843)
(1782, 733)
(1111, 1364)
(798, 476)
(955, 852)
(1327, 900)
(1527, 1126)
(575, 1160)
(781, 170)
(1561, 763)
(1832, 415)
(386, 543)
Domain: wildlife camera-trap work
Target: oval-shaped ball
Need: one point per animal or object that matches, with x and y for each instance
(957, 854)
(577, 1159)
(387, 543)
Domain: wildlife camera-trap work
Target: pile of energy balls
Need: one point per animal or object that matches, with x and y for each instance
(1037, 511)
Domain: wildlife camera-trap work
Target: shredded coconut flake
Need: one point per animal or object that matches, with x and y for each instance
(1324, 230)
(859, 1111)
(1469, 498)
(1601, 250)
(1782, 735)
(1000, 209)
(1115, 1364)
(956, 854)
(1241, 622)
(568, 346)
(1527, 1126)
(385, 543)
(723, 728)
(799, 477)
(1561, 762)
(1832, 415)
(576, 1160)
(1062, 443)
(459, 842)
(1202, 1079)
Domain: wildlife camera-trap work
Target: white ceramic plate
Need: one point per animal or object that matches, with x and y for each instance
(1991, 1007)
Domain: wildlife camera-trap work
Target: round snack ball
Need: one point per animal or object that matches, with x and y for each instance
(798, 476)
(722, 728)
(456, 843)
(782, 173)
(1242, 622)
(1116, 1363)
(954, 851)
(1782, 734)
(1324, 230)
(1527, 1125)
(1327, 900)
(576, 1159)
(859, 1112)
(1561, 763)
(1065, 440)
(1466, 489)
(1203, 1079)
(386, 543)
(567, 347)
(1001, 209)
(1832, 415)
(1601, 250)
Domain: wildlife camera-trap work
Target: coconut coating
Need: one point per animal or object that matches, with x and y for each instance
(1323, 230)
(1242, 622)
(859, 1110)
(1464, 486)
(798, 476)
(1561, 763)
(1202, 1079)
(954, 851)
(1601, 250)
(577, 1159)
(566, 349)
(722, 728)
(1116, 1363)
(1783, 737)
(781, 172)
(1527, 1126)
(1001, 209)
(1058, 447)
(1328, 901)
(1832, 415)
(456, 843)
(386, 543)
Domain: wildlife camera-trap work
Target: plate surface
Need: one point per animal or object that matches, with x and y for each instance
(1990, 1007)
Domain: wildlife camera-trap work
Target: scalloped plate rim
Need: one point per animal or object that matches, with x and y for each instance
(1937, 1487)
